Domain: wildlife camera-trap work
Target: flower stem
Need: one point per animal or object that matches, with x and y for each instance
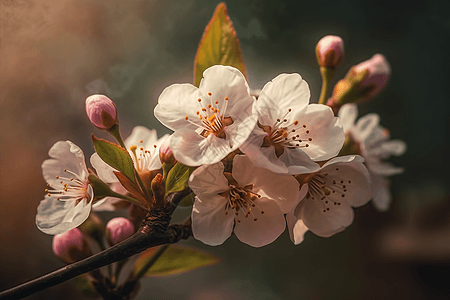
(327, 74)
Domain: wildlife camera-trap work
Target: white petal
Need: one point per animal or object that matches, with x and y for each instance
(266, 229)
(354, 176)
(283, 189)
(244, 121)
(382, 168)
(104, 171)
(55, 217)
(141, 133)
(296, 226)
(208, 180)
(292, 161)
(66, 155)
(224, 81)
(175, 103)
(209, 222)
(322, 223)
(381, 195)
(325, 130)
(191, 149)
(366, 125)
(283, 92)
(344, 159)
(394, 147)
(348, 114)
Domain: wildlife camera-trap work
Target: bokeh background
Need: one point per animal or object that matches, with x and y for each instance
(53, 54)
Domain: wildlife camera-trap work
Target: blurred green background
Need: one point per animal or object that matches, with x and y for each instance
(53, 54)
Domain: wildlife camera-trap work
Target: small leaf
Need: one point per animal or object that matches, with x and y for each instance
(175, 260)
(115, 156)
(218, 46)
(177, 179)
(188, 200)
(85, 286)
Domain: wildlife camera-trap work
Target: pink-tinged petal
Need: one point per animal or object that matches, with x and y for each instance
(350, 181)
(325, 131)
(347, 114)
(283, 92)
(210, 224)
(296, 226)
(244, 121)
(267, 227)
(104, 171)
(381, 196)
(208, 180)
(66, 155)
(191, 149)
(175, 103)
(298, 162)
(344, 159)
(365, 126)
(224, 82)
(281, 188)
(321, 223)
(379, 71)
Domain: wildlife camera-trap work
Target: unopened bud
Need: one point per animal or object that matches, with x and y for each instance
(102, 112)
(165, 152)
(330, 51)
(118, 229)
(71, 246)
(362, 82)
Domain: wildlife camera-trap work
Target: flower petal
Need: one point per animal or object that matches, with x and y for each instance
(208, 180)
(266, 229)
(321, 223)
(175, 103)
(348, 114)
(283, 189)
(296, 226)
(191, 149)
(104, 171)
(381, 195)
(366, 125)
(283, 92)
(141, 133)
(324, 129)
(210, 224)
(55, 217)
(66, 155)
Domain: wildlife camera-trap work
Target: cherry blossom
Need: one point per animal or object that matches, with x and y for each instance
(328, 197)
(291, 134)
(69, 197)
(143, 145)
(251, 199)
(371, 141)
(210, 121)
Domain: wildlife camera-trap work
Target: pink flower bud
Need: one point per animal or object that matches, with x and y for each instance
(71, 246)
(165, 153)
(102, 112)
(119, 229)
(330, 51)
(378, 73)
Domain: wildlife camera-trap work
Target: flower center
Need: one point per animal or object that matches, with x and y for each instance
(323, 189)
(242, 200)
(142, 158)
(69, 188)
(211, 116)
(284, 135)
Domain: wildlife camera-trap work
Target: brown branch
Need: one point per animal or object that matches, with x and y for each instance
(154, 231)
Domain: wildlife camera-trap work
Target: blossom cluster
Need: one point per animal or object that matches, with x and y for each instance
(263, 163)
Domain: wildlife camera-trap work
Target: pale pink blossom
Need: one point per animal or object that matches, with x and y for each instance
(210, 121)
(102, 112)
(251, 200)
(291, 133)
(119, 229)
(328, 197)
(330, 51)
(70, 246)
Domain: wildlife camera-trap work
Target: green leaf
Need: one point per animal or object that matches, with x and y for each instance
(175, 260)
(218, 46)
(188, 200)
(84, 285)
(115, 156)
(177, 179)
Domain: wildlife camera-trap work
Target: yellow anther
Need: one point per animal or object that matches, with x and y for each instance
(186, 118)
(133, 148)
